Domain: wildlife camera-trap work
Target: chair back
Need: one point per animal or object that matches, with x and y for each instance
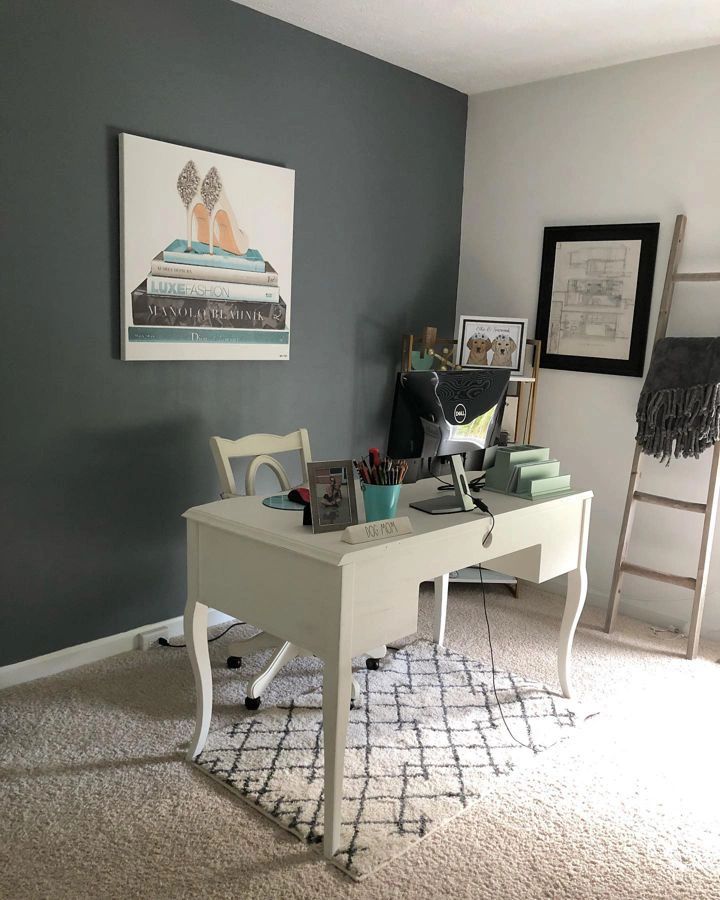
(259, 446)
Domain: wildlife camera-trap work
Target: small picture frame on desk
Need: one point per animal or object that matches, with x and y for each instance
(332, 495)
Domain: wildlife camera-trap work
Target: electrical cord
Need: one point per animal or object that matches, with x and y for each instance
(492, 663)
(474, 485)
(164, 642)
(486, 509)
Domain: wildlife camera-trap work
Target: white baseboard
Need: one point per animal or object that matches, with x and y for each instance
(80, 654)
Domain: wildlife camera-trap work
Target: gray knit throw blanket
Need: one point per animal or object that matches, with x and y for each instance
(680, 400)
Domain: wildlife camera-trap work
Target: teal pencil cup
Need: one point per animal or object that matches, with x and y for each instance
(381, 501)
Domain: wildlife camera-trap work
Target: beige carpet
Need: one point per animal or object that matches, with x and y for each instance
(96, 800)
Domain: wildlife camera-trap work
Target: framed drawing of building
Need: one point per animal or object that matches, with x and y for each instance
(595, 292)
(206, 254)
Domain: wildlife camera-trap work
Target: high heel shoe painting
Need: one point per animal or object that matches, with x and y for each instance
(187, 186)
(216, 222)
(192, 286)
(211, 210)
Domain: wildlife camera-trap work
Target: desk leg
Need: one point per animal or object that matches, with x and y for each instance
(574, 602)
(441, 597)
(337, 690)
(196, 638)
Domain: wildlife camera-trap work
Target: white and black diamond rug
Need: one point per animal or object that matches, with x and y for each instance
(424, 739)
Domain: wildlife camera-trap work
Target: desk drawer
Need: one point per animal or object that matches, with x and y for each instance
(292, 596)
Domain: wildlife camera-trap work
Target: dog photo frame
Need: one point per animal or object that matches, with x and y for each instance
(332, 495)
(487, 342)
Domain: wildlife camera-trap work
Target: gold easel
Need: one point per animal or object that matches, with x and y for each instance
(427, 351)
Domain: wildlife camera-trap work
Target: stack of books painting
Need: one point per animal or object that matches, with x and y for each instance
(205, 292)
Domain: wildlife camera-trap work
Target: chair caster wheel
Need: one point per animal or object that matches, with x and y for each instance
(372, 663)
(234, 662)
(252, 703)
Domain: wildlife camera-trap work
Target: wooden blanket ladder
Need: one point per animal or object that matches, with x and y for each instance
(698, 583)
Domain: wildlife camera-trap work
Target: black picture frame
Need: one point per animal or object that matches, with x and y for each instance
(603, 272)
(325, 515)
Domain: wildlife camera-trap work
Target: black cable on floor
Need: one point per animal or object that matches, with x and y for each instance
(492, 663)
(164, 642)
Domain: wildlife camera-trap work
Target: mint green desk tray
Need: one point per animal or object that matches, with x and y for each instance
(528, 473)
(501, 476)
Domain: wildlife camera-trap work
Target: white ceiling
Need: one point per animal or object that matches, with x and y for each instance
(479, 45)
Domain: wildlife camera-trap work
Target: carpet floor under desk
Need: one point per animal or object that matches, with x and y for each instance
(97, 800)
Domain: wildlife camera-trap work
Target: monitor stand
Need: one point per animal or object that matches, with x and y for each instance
(460, 501)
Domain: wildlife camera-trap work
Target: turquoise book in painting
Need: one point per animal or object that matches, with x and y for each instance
(162, 269)
(177, 252)
(163, 334)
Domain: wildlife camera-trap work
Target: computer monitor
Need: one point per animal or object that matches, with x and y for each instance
(446, 414)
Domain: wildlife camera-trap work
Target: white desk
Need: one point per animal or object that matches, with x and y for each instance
(338, 599)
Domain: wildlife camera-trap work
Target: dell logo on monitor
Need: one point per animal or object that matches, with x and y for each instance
(460, 413)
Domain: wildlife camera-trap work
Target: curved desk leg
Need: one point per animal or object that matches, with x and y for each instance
(574, 602)
(440, 610)
(196, 638)
(337, 691)
(196, 615)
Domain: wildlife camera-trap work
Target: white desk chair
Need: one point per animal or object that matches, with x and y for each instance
(260, 446)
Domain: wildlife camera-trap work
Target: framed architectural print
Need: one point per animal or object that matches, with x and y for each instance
(332, 495)
(595, 292)
(206, 254)
(486, 342)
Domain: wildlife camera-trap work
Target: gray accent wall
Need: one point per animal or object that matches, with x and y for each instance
(101, 457)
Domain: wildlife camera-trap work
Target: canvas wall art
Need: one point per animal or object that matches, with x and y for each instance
(490, 342)
(595, 292)
(206, 254)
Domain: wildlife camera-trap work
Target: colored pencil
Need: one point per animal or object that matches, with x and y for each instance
(386, 472)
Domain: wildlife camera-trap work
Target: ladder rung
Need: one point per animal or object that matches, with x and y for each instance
(679, 580)
(658, 500)
(696, 276)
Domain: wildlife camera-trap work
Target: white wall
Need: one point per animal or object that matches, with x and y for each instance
(632, 143)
